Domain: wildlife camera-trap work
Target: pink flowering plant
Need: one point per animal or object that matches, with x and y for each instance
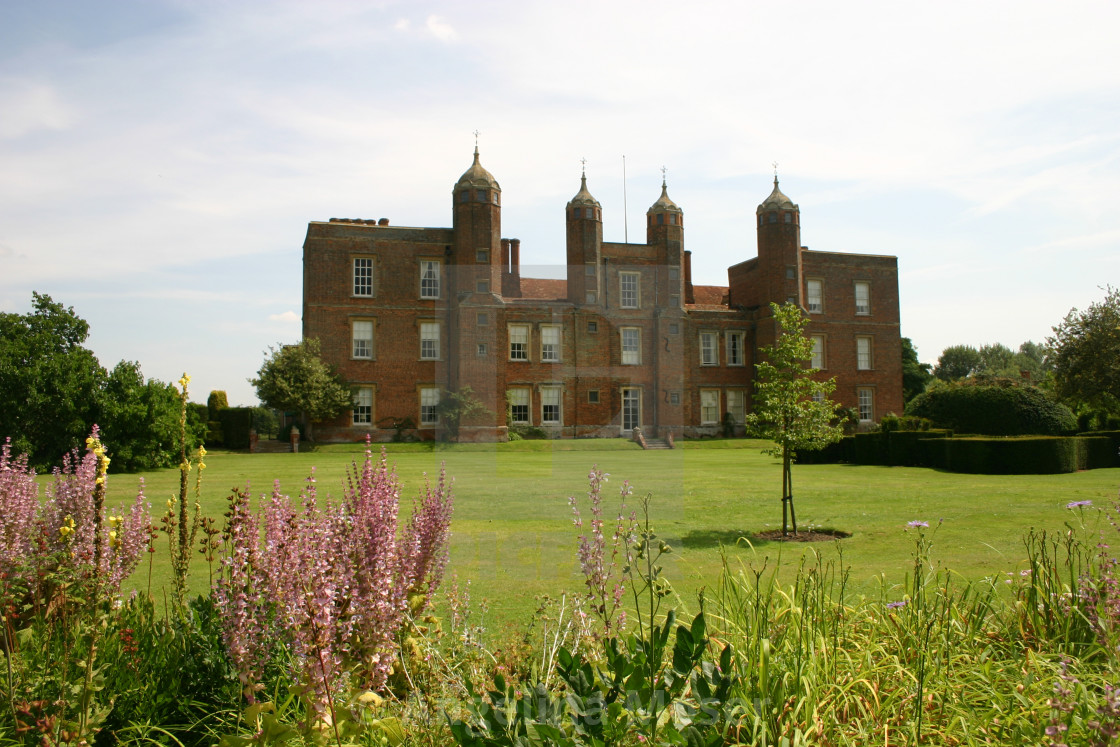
(334, 582)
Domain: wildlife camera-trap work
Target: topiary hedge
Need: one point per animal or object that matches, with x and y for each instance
(1000, 409)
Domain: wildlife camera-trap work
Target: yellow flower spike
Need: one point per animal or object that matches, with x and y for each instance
(171, 503)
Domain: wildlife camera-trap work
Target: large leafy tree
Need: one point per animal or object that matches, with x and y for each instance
(1086, 354)
(294, 378)
(53, 390)
(915, 374)
(958, 362)
(791, 407)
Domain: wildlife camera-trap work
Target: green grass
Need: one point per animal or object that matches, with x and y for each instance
(513, 537)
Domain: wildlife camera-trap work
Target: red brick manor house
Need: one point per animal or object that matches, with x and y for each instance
(626, 340)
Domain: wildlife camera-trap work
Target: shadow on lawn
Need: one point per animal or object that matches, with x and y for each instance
(708, 538)
(701, 539)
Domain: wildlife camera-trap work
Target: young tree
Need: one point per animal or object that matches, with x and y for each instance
(1086, 354)
(453, 407)
(295, 378)
(791, 407)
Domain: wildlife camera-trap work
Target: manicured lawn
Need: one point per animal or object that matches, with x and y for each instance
(513, 537)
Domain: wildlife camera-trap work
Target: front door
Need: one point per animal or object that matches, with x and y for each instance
(631, 409)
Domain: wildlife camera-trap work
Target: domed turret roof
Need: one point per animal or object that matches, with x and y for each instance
(664, 204)
(476, 176)
(777, 200)
(583, 197)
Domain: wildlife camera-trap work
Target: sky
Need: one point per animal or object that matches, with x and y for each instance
(160, 159)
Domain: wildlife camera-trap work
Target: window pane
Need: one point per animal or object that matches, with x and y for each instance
(734, 348)
(363, 407)
(550, 343)
(519, 406)
(863, 353)
(550, 405)
(866, 400)
(628, 288)
(817, 360)
(736, 405)
(863, 298)
(362, 337)
(519, 343)
(709, 406)
(363, 276)
(429, 279)
(631, 346)
(708, 356)
(814, 295)
(429, 340)
(429, 399)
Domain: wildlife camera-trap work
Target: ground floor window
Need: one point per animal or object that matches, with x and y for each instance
(429, 402)
(550, 405)
(362, 414)
(866, 405)
(737, 405)
(631, 408)
(709, 406)
(518, 406)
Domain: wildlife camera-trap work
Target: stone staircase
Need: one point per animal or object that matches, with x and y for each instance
(269, 446)
(656, 443)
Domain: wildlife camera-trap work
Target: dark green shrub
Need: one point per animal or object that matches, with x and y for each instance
(236, 422)
(1095, 452)
(997, 409)
(1113, 448)
(1012, 456)
(838, 451)
(904, 447)
(214, 433)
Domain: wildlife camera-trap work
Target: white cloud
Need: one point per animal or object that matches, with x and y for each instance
(287, 316)
(440, 28)
(31, 107)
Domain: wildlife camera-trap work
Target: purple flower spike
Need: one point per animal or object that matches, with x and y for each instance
(1079, 504)
(916, 523)
(896, 605)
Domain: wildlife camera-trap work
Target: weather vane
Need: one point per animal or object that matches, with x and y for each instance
(583, 165)
(664, 171)
(775, 165)
(476, 134)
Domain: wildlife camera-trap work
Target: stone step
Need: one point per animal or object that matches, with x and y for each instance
(657, 443)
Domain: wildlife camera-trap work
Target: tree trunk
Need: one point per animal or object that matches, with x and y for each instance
(787, 492)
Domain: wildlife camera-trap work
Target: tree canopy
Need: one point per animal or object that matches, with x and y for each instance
(915, 374)
(1086, 354)
(294, 378)
(53, 390)
(790, 406)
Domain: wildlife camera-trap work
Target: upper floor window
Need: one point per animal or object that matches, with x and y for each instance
(361, 339)
(429, 341)
(863, 298)
(362, 414)
(363, 276)
(429, 278)
(735, 354)
(814, 296)
(519, 342)
(482, 255)
(631, 346)
(817, 359)
(629, 292)
(550, 343)
(864, 360)
(709, 356)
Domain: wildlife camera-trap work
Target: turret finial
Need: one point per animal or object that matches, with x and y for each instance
(775, 165)
(664, 171)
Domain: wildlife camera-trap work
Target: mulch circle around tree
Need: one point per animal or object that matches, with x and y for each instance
(804, 535)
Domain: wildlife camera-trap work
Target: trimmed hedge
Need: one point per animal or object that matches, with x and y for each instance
(891, 448)
(1040, 455)
(236, 424)
(1112, 459)
(994, 410)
